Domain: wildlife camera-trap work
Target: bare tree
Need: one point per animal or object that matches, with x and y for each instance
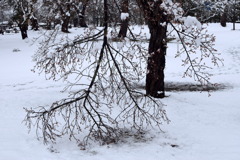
(104, 98)
(107, 100)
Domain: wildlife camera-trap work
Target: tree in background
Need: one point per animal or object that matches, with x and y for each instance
(233, 11)
(124, 19)
(65, 13)
(33, 18)
(4, 7)
(82, 13)
(21, 15)
(21, 12)
(224, 19)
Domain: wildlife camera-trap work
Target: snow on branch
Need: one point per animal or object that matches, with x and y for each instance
(124, 16)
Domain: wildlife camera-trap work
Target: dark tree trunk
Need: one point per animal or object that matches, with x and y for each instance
(234, 15)
(34, 24)
(156, 60)
(65, 17)
(65, 24)
(23, 28)
(75, 22)
(81, 14)
(49, 25)
(157, 22)
(82, 21)
(124, 23)
(224, 20)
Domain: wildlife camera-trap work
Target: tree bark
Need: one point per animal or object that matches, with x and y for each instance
(65, 17)
(82, 21)
(157, 22)
(65, 24)
(34, 24)
(156, 60)
(124, 23)
(224, 20)
(49, 24)
(23, 28)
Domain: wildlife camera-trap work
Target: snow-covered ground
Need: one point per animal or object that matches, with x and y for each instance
(201, 127)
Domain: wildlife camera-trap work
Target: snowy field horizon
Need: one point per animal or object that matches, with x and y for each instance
(202, 127)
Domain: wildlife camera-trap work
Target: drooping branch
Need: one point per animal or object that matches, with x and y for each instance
(105, 82)
(192, 41)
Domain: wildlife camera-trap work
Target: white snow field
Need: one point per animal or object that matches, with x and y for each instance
(201, 127)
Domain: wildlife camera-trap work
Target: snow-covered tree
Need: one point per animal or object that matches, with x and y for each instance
(63, 12)
(124, 18)
(80, 9)
(232, 11)
(204, 10)
(4, 10)
(23, 14)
